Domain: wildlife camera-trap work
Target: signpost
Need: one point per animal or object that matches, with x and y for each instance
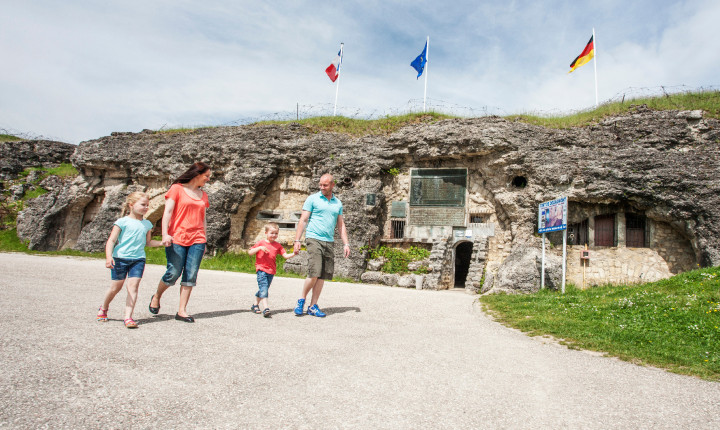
(552, 216)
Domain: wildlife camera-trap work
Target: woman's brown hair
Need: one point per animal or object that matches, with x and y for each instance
(196, 169)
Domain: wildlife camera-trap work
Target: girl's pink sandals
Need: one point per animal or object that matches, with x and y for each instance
(130, 323)
(102, 314)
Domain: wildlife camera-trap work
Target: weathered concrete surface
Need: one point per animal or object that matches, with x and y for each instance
(383, 358)
(17, 156)
(522, 271)
(663, 164)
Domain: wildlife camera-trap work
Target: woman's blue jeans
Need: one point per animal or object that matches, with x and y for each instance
(183, 260)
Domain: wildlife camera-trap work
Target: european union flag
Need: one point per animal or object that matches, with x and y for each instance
(419, 63)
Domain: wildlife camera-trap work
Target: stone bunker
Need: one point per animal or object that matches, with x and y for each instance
(642, 191)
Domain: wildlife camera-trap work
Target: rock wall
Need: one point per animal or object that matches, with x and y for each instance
(664, 163)
(613, 266)
(17, 156)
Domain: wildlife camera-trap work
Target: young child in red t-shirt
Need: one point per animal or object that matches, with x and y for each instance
(267, 251)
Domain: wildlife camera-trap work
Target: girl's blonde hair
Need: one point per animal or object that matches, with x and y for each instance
(132, 199)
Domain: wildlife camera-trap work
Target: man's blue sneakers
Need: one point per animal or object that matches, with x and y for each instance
(299, 308)
(314, 310)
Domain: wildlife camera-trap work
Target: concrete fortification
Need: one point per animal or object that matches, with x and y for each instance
(647, 174)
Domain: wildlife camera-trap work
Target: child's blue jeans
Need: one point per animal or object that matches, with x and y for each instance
(264, 280)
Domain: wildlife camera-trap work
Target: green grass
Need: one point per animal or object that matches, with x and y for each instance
(180, 130)
(340, 124)
(708, 101)
(9, 138)
(36, 192)
(228, 261)
(672, 324)
(9, 242)
(397, 260)
(364, 127)
(9, 212)
(64, 170)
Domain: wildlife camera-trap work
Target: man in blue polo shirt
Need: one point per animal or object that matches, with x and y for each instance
(321, 212)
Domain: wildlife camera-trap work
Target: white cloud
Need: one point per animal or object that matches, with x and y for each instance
(81, 70)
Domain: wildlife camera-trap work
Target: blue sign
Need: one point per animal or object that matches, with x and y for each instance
(552, 215)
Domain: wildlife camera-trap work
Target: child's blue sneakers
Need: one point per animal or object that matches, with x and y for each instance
(315, 311)
(299, 308)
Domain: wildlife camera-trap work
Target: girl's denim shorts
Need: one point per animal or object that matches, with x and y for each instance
(125, 268)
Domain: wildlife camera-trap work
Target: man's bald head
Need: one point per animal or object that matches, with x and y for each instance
(326, 185)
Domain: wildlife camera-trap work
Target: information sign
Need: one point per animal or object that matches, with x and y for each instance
(552, 215)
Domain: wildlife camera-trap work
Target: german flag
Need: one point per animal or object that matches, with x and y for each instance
(587, 55)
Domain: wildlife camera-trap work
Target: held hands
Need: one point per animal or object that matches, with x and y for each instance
(296, 247)
(167, 240)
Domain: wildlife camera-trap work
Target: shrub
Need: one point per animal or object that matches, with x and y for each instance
(398, 259)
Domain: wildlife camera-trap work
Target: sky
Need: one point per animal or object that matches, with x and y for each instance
(80, 69)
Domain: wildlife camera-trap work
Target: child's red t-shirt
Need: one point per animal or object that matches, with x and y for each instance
(265, 261)
(187, 225)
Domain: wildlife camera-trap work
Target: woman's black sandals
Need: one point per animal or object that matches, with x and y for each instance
(153, 310)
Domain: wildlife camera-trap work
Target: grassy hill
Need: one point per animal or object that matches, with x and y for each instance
(9, 138)
(708, 101)
(672, 324)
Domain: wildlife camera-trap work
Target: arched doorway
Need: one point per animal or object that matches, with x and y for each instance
(463, 252)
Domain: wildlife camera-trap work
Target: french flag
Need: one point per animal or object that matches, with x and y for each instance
(333, 70)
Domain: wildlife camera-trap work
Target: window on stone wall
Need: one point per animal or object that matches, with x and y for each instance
(268, 215)
(578, 233)
(398, 228)
(636, 234)
(605, 230)
(478, 218)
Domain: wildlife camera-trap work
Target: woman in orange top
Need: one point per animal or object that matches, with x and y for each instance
(183, 235)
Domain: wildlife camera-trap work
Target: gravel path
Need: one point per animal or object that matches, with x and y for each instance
(384, 357)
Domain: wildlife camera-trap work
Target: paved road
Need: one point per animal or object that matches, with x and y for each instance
(384, 357)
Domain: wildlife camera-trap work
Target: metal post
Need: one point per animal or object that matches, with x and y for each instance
(427, 67)
(584, 261)
(542, 270)
(595, 66)
(564, 258)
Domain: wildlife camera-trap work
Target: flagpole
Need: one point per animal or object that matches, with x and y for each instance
(427, 65)
(337, 83)
(595, 65)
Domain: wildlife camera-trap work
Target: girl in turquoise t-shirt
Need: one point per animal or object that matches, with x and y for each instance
(127, 260)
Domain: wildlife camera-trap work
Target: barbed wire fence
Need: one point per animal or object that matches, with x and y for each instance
(305, 111)
(23, 134)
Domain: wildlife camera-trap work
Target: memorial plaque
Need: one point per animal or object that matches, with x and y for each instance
(438, 187)
(399, 210)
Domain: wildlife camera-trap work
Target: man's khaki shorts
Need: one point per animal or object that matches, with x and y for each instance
(321, 258)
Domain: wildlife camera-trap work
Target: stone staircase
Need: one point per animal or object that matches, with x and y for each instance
(473, 283)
